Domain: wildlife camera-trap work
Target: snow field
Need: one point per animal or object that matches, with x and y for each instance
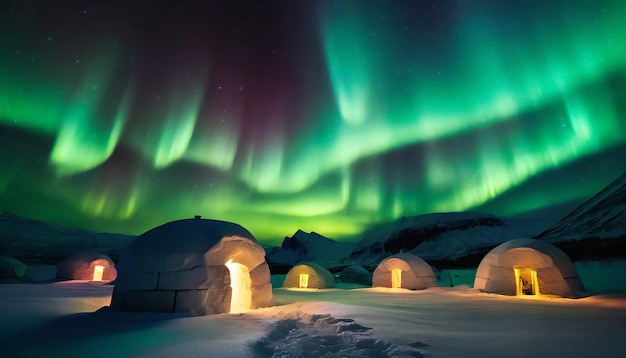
(67, 319)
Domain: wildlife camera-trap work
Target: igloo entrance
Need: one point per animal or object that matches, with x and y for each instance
(240, 283)
(526, 281)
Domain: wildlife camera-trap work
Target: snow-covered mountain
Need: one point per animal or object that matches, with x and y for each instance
(312, 246)
(31, 240)
(598, 226)
(441, 237)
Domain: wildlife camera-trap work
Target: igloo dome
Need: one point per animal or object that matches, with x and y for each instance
(194, 266)
(87, 265)
(528, 267)
(404, 270)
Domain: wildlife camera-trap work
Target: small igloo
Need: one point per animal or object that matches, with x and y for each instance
(194, 266)
(528, 267)
(404, 271)
(11, 268)
(87, 265)
(356, 274)
(309, 275)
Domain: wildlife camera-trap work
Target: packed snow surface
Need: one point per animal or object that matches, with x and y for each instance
(68, 319)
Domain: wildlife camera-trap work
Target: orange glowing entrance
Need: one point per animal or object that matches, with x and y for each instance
(240, 282)
(98, 271)
(396, 278)
(304, 280)
(526, 281)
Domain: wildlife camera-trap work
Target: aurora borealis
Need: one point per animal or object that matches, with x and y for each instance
(325, 116)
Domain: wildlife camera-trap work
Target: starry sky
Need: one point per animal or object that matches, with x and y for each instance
(325, 116)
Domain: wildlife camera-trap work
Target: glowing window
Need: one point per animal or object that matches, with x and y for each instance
(396, 278)
(240, 282)
(304, 280)
(98, 271)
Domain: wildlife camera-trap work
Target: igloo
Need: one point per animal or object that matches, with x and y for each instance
(528, 267)
(356, 274)
(404, 271)
(309, 275)
(87, 265)
(194, 266)
(11, 268)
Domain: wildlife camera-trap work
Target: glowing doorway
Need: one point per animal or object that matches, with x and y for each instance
(526, 281)
(396, 278)
(304, 280)
(240, 282)
(98, 271)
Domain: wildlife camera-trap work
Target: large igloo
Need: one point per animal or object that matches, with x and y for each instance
(528, 267)
(193, 266)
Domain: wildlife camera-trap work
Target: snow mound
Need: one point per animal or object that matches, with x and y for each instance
(11, 268)
(322, 335)
(355, 274)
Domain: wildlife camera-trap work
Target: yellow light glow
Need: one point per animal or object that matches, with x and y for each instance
(535, 283)
(240, 282)
(526, 281)
(396, 278)
(304, 280)
(518, 287)
(98, 271)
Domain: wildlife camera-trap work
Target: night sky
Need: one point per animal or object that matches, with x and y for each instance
(326, 116)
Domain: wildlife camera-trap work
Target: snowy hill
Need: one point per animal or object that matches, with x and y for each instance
(597, 228)
(37, 241)
(439, 237)
(312, 246)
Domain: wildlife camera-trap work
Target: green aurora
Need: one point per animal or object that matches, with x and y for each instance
(319, 116)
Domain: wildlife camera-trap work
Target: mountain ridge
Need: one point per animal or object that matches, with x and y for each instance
(30, 240)
(596, 228)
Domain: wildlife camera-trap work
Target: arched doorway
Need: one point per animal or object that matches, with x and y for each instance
(98, 272)
(526, 281)
(396, 278)
(303, 281)
(240, 282)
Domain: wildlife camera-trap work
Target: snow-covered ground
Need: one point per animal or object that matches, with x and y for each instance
(66, 319)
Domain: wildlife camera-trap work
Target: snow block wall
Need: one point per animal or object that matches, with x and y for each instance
(181, 267)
